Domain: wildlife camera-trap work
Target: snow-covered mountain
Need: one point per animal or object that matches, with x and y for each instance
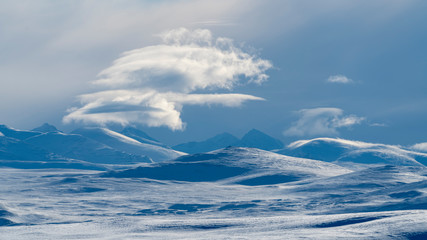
(86, 146)
(247, 166)
(253, 139)
(127, 144)
(141, 136)
(20, 154)
(15, 149)
(79, 147)
(17, 134)
(343, 152)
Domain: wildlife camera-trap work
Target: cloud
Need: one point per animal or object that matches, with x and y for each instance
(339, 79)
(321, 122)
(420, 147)
(150, 85)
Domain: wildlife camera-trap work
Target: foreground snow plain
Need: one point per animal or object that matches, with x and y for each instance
(378, 202)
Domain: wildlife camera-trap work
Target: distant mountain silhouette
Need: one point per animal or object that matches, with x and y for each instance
(45, 128)
(254, 139)
(257, 139)
(219, 141)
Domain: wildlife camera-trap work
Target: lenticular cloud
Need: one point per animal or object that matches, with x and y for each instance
(150, 85)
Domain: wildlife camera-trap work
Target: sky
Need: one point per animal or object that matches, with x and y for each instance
(188, 70)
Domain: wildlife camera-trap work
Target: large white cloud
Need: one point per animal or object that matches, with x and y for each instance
(151, 84)
(321, 122)
(420, 147)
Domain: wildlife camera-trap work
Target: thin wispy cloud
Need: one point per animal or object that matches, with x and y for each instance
(150, 85)
(321, 122)
(339, 79)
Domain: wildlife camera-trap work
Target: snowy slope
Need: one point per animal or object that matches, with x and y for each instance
(217, 142)
(79, 147)
(247, 166)
(141, 136)
(14, 149)
(129, 145)
(20, 154)
(342, 151)
(18, 134)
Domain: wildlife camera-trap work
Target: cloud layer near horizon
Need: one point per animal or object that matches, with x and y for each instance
(151, 84)
(321, 122)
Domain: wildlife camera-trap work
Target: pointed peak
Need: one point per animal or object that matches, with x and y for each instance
(254, 133)
(257, 139)
(45, 128)
(224, 135)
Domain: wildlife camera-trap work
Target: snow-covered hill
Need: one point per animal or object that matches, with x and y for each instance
(345, 152)
(247, 166)
(127, 144)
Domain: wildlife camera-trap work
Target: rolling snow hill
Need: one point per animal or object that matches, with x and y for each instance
(247, 166)
(346, 152)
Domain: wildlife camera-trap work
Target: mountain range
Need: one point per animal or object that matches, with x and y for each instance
(253, 139)
(83, 148)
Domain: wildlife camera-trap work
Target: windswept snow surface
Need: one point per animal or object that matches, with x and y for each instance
(232, 193)
(388, 202)
(342, 152)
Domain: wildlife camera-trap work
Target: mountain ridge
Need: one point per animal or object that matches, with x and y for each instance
(253, 138)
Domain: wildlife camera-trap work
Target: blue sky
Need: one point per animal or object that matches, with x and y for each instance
(350, 69)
